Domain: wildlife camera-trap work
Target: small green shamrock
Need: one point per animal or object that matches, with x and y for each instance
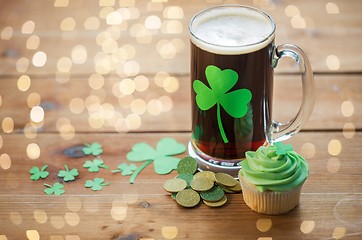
(68, 175)
(234, 103)
(94, 165)
(37, 173)
(56, 189)
(283, 149)
(96, 184)
(95, 149)
(162, 162)
(126, 169)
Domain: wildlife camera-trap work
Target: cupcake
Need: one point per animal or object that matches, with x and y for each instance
(272, 178)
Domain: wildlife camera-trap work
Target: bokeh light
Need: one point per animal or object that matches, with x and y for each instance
(133, 121)
(127, 86)
(141, 83)
(173, 12)
(22, 64)
(61, 3)
(76, 105)
(16, 218)
(39, 59)
(7, 125)
(138, 106)
(167, 103)
(33, 151)
(37, 114)
(79, 54)
(40, 216)
(307, 227)
(264, 224)
(154, 107)
(33, 42)
(349, 130)
(91, 23)
(74, 204)
(332, 62)
(332, 8)
(119, 210)
(24, 83)
(28, 27)
(339, 232)
(6, 33)
(153, 22)
(72, 218)
(308, 150)
(114, 18)
(107, 3)
(333, 165)
(32, 235)
(334, 147)
(57, 222)
(298, 22)
(33, 99)
(30, 130)
(64, 64)
(169, 232)
(347, 109)
(292, 10)
(68, 24)
(5, 161)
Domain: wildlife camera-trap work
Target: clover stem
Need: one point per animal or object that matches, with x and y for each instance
(66, 168)
(87, 145)
(47, 185)
(45, 167)
(105, 184)
(138, 170)
(220, 125)
(104, 166)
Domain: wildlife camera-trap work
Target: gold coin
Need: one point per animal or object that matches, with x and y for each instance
(175, 185)
(201, 184)
(225, 179)
(206, 174)
(236, 188)
(220, 203)
(188, 198)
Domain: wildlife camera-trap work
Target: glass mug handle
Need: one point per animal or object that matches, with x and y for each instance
(283, 131)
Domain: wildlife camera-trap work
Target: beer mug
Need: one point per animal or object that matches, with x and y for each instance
(233, 57)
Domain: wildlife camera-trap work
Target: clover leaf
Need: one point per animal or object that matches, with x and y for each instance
(163, 163)
(94, 165)
(37, 173)
(126, 169)
(68, 175)
(95, 149)
(96, 184)
(56, 189)
(283, 149)
(234, 103)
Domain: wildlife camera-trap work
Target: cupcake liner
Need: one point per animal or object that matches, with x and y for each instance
(269, 202)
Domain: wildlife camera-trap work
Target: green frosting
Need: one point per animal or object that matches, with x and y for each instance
(269, 171)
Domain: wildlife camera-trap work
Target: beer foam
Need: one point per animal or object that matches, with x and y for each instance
(232, 30)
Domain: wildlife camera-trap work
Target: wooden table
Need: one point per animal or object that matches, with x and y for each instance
(62, 56)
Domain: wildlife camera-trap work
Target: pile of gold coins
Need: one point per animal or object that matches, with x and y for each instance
(190, 186)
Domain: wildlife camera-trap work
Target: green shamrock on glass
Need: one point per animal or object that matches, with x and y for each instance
(221, 81)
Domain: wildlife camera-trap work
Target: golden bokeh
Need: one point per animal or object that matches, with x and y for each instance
(307, 226)
(33, 99)
(292, 10)
(119, 210)
(24, 83)
(16, 218)
(33, 42)
(64, 64)
(308, 150)
(61, 3)
(76, 105)
(67, 131)
(167, 103)
(30, 130)
(105, 11)
(79, 54)
(172, 27)
(72, 218)
(62, 77)
(1, 141)
(347, 109)
(334, 147)
(109, 45)
(3, 237)
(32, 235)
(37, 114)
(154, 107)
(131, 68)
(107, 3)
(265, 238)
(57, 222)
(74, 204)
(332, 8)
(1, 100)
(173, 12)
(72, 237)
(5, 161)
(333, 165)
(114, 18)
(141, 83)
(91, 205)
(91, 23)
(333, 62)
(22, 64)
(169, 232)
(166, 49)
(127, 86)
(7, 125)
(56, 237)
(6, 33)
(68, 24)
(127, 3)
(153, 22)
(154, 6)
(298, 22)
(264, 224)
(133, 121)
(33, 151)
(339, 232)
(39, 59)
(171, 84)
(40, 216)
(349, 130)
(28, 27)
(138, 106)
(130, 197)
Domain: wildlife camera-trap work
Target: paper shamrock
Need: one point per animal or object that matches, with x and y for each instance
(162, 162)
(283, 149)
(234, 103)
(56, 189)
(37, 173)
(96, 184)
(68, 175)
(95, 149)
(126, 169)
(94, 165)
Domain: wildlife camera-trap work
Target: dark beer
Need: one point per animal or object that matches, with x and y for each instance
(252, 63)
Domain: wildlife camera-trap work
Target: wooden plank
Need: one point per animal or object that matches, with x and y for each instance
(337, 103)
(321, 37)
(330, 202)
